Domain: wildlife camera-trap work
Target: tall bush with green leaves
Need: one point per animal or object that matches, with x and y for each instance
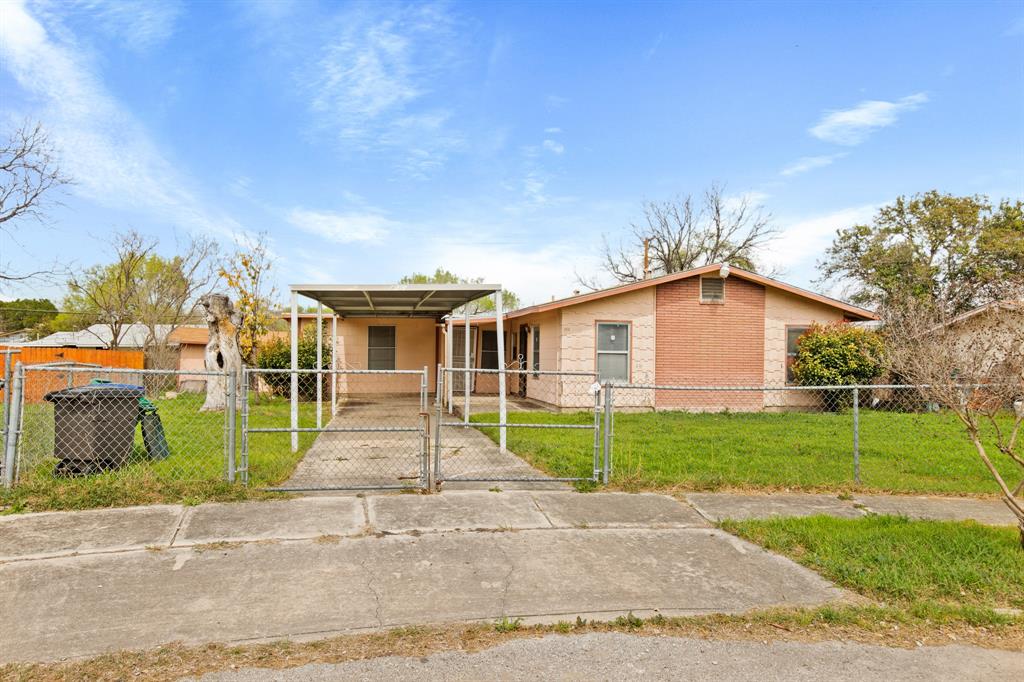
(277, 354)
(838, 354)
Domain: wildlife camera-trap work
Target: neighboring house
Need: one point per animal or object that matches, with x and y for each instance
(996, 327)
(132, 336)
(16, 338)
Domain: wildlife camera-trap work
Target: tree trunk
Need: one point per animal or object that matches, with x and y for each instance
(222, 354)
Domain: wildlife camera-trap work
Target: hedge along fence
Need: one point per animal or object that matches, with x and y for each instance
(35, 389)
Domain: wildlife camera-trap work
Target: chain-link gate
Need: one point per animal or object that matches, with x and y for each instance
(473, 444)
(351, 429)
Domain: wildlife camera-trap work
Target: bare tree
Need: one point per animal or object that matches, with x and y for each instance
(28, 172)
(168, 292)
(108, 294)
(973, 366)
(687, 233)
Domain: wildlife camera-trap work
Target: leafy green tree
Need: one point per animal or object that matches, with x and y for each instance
(947, 250)
(838, 354)
(246, 273)
(26, 313)
(483, 305)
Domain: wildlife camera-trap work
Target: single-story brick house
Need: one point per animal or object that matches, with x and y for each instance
(709, 326)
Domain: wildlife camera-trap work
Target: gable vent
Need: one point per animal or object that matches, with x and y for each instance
(712, 289)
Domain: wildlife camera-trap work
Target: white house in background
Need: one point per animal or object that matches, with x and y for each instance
(133, 336)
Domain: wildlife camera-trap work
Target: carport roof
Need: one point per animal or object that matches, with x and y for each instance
(393, 300)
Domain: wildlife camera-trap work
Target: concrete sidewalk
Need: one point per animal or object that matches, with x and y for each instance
(738, 506)
(78, 584)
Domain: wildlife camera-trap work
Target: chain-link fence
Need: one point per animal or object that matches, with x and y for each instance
(550, 431)
(85, 421)
(352, 429)
(886, 437)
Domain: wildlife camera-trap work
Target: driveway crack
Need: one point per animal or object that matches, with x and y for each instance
(506, 581)
(371, 579)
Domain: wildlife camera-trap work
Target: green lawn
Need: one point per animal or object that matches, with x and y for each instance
(195, 471)
(900, 561)
(900, 452)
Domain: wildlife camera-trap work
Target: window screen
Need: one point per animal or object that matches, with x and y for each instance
(613, 351)
(381, 348)
(712, 289)
(536, 349)
(793, 334)
(489, 350)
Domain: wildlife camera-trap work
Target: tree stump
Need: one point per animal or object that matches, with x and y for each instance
(222, 354)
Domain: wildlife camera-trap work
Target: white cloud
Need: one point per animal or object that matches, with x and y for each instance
(343, 228)
(556, 101)
(135, 24)
(852, 126)
(376, 67)
(808, 163)
(552, 131)
(102, 146)
(554, 146)
(800, 244)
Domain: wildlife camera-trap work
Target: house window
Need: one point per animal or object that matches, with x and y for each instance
(489, 350)
(536, 350)
(793, 334)
(712, 290)
(381, 348)
(613, 351)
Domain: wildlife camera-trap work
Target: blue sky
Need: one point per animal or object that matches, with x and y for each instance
(499, 140)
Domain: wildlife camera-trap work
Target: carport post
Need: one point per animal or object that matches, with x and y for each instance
(319, 363)
(334, 364)
(295, 375)
(448, 355)
(465, 382)
(499, 314)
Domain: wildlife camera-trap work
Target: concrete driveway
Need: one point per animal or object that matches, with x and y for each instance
(393, 458)
(83, 583)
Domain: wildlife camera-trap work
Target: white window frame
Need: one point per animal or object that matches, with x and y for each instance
(535, 349)
(716, 299)
(629, 347)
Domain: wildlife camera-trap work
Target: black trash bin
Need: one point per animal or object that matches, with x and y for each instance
(94, 426)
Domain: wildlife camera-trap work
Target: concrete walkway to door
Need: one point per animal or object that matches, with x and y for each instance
(76, 584)
(387, 459)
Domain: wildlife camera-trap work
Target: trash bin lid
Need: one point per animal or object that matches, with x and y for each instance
(96, 392)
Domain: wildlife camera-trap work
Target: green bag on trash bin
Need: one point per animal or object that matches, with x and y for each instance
(152, 430)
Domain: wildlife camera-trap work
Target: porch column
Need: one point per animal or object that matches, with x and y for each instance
(499, 314)
(319, 363)
(449, 353)
(334, 364)
(465, 365)
(294, 375)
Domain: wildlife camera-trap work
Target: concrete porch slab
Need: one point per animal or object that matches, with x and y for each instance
(86, 605)
(721, 506)
(304, 517)
(56, 533)
(991, 512)
(454, 511)
(616, 510)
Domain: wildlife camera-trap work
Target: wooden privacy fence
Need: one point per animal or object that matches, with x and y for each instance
(36, 386)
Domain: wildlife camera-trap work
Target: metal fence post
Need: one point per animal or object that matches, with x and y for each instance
(13, 428)
(436, 475)
(856, 435)
(7, 391)
(231, 405)
(597, 432)
(607, 432)
(245, 426)
(425, 428)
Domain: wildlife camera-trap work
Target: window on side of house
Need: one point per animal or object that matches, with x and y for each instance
(489, 350)
(793, 334)
(613, 351)
(381, 348)
(536, 349)
(712, 290)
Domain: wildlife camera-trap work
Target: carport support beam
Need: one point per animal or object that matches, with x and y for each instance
(465, 365)
(449, 353)
(294, 375)
(319, 364)
(499, 323)
(334, 364)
